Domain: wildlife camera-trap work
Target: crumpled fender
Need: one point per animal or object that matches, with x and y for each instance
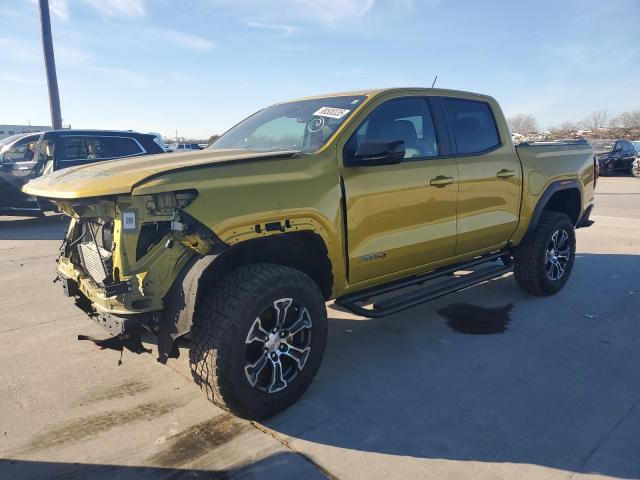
(179, 306)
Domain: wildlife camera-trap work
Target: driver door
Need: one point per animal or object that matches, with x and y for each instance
(400, 216)
(18, 167)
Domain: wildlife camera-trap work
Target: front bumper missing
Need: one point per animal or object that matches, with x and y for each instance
(126, 326)
(114, 324)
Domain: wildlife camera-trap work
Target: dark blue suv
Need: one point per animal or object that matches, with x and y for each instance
(27, 156)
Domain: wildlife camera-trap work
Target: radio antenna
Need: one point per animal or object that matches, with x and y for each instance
(434, 81)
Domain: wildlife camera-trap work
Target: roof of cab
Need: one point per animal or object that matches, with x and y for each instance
(378, 91)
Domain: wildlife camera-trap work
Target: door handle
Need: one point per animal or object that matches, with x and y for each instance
(504, 173)
(441, 181)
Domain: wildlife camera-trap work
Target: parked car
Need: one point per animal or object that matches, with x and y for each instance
(27, 156)
(352, 197)
(186, 147)
(614, 156)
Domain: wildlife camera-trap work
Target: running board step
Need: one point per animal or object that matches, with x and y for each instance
(402, 301)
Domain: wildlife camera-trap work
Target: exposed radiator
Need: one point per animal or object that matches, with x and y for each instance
(91, 261)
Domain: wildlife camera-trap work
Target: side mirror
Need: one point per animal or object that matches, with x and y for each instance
(376, 153)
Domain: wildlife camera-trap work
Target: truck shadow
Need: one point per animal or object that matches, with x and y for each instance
(280, 465)
(50, 227)
(557, 389)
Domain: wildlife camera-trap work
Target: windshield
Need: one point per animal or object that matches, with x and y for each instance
(603, 146)
(303, 126)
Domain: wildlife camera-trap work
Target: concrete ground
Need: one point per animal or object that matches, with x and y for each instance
(553, 393)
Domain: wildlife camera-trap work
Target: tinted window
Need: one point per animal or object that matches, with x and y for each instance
(474, 128)
(75, 148)
(407, 119)
(22, 151)
(121, 146)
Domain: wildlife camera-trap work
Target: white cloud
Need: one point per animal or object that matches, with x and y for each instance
(332, 11)
(60, 9)
(286, 30)
(57, 8)
(175, 37)
(119, 8)
(282, 13)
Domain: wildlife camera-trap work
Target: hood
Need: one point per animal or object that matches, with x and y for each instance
(114, 177)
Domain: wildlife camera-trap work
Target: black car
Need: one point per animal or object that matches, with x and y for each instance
(27, 156)
(614, 155)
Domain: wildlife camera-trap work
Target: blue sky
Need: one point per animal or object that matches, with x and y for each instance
(200, 66)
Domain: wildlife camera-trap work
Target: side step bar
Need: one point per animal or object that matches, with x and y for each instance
(353, 302)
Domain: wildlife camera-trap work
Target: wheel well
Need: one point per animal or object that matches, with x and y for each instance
(565, 201)
(305, 251)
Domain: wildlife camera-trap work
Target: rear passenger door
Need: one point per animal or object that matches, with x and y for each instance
(490, 176)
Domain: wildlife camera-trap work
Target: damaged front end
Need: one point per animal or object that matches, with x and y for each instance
(122, 254)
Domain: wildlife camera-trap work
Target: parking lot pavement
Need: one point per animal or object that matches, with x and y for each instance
(552, 391)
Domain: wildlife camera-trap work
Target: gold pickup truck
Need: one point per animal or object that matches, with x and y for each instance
(380, 199)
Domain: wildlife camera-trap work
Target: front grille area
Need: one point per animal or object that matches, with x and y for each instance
(90, 255)
(96, 261)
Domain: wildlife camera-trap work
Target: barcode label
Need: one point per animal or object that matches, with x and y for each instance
(331, 112)
(129, 220)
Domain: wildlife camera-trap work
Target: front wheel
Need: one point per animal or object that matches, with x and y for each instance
(635, 169)
(610, 170)
(543, 263)
(258, 339)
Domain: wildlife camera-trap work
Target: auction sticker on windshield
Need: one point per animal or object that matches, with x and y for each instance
(331, 112)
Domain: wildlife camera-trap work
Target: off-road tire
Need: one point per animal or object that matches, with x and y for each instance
(222, 320)
(529, 258)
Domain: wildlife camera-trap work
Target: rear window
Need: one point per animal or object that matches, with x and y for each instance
(77, 148)
(474, 127)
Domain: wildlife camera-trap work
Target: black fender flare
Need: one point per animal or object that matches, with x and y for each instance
(553, 188)
(180, 304)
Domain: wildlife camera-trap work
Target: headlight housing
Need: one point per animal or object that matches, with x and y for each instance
(167, 202)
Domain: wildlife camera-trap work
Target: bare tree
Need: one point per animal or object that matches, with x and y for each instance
(627, 120)
(522, 123)
(596, 120)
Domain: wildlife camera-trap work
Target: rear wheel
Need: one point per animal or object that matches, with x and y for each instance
(258, 339)
(635, 168)
(543, 263)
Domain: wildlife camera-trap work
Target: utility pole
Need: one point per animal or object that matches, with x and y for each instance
(50, 65)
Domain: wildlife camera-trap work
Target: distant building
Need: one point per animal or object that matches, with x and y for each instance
(8, 130)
